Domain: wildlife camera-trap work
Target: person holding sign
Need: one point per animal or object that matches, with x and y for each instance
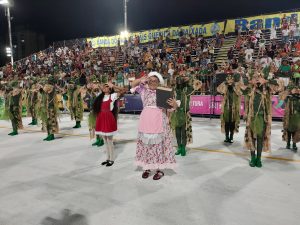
(154, 145)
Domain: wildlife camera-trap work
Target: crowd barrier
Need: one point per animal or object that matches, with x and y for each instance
(200, 105)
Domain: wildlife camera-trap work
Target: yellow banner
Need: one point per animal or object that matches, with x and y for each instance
(206, 30)
(263, 21)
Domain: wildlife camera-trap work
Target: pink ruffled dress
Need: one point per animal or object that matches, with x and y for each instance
(154, 144)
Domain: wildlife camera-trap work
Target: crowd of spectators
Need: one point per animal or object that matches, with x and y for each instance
(192, 55)
(276, 49)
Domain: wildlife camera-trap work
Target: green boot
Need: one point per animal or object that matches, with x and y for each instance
(34, 122)
(97, 142)
(78, 125)
(101, 142)
(258, 162)
(295, 147)
(46, 139)
(252, 162)
(178, 150)
(288, 145)
(31, 123)
(14, 133)
(183, 151)
(227, 139)
(50, 137)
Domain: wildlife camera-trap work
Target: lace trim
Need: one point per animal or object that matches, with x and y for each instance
(106, 134)
(150, 139)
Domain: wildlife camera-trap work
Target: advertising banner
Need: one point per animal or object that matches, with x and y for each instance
(206, 30)
(263, 21)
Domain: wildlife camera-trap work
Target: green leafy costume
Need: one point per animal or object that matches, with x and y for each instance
(230, 117)
(181, 120)
(15, 108)
(291, 120)
(32, 104)
(259, 119)
(49, 112)
(76, 105)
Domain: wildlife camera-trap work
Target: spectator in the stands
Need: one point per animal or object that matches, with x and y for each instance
(230, 54)
(284, 72)
(285, 35)
(234, 64)
(265, 61)
(248, 55)
(247, 28)
(82, 79)
(297, 33)
(258, 34)
(273, 35)
(296, 72)
(262, 46)
(270, 52)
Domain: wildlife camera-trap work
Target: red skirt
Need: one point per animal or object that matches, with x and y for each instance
(106, 124)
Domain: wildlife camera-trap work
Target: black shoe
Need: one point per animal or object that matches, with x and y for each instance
(110, 163)
(230, 141)
(105, 163)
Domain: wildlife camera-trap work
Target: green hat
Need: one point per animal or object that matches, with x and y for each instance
(236, 77)
(51, 80)
(74, 80)
(42, 81)
(14, 83)
(292, 85)
(94, 79)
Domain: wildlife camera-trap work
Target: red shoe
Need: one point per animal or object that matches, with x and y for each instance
(146, 174)
(158, 175)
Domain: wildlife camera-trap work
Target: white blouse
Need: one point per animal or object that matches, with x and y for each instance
(113, 97)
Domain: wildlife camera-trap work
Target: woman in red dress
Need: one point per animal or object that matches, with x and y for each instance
(106, 110)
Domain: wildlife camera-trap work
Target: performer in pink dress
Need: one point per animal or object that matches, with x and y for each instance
(154, 145)
(106, 110)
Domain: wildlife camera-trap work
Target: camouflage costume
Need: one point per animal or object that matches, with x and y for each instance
(32, 104)
(14, 105)
(259, 117)
(181, 120)
(291, 120)
(76, 103)
(49, 109)
(230, 117)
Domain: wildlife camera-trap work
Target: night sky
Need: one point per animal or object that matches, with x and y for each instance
(69, 19)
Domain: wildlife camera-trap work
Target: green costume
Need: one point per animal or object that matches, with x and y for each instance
(49, 109)
(259, 119)
(291, 120)
(92, 117)
(76, 104)
(15, 108)
(181, 120)
(230, 117)
(32, 104)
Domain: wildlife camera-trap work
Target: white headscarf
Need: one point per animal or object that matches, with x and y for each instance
(158, 75)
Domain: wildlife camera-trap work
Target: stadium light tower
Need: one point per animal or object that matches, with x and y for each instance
(6, 3)
(125, 14)
(125, 33)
